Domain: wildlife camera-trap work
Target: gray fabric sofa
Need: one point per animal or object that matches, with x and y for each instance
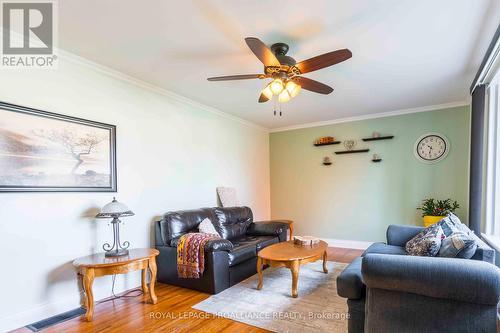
(390, 291)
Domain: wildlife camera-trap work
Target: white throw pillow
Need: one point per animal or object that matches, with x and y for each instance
(207, 227)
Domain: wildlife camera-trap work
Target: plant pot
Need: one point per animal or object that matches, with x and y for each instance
(429, 219)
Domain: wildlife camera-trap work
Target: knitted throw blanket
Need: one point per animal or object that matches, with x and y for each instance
(191, 254)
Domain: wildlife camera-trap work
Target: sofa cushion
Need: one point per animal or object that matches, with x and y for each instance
(383, 248)
(247, 247)
(232, 222)
(427, 242)
(242, 252)
(176, 224)
(265, 241)
(350, 282)
(400, 234)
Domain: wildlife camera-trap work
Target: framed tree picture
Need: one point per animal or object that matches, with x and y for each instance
(46, 152)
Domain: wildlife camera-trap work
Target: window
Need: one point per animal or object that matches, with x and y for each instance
(492, 184)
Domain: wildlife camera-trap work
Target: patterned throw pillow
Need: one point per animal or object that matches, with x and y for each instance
(207, 227)
(458, 245)
(427, 242)
(449, 224)
(452, 224)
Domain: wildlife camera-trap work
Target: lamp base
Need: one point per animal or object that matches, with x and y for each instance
(116, 253)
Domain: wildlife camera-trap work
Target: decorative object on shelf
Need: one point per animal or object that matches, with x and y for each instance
(326, 140)
(305, 240)
(435, 210)
(376, 158)
(327, 160)
(431, 147)
(49, 152)
(114, 210)
(352, 151)
(350, 144)
(378, 137)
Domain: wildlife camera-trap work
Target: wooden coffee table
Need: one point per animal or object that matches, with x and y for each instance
(98, 265)
(290, 255)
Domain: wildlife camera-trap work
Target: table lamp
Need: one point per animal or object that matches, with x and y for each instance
(114, 210)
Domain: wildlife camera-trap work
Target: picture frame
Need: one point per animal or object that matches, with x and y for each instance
(42, 151)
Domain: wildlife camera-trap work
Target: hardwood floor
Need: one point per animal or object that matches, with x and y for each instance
(172, 313)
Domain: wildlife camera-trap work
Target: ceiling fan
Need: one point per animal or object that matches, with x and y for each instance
(285, 71)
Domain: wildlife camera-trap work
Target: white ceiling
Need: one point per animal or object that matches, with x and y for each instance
(406, 53)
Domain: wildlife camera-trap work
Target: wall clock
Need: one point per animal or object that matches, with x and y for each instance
(431, 147)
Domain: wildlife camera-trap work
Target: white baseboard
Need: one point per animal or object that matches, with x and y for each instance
(344, 243)
(38, 313)
(55, 307)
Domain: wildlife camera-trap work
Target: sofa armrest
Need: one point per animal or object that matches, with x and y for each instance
(398, 235)
(216, 245)
(267, 228)
(462, 280)
(350, 281)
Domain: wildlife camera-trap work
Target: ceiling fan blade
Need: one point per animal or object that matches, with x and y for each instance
(261, 51)
(324, 60)
(263, 98)
(312, 85)
(237, 77)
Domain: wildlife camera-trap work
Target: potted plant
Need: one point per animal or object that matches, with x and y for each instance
(435, 210)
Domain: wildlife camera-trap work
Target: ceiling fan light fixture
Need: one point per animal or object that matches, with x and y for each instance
(284, 72)
(267, 91)
(277, 86)
(284, 96)
(293, 88)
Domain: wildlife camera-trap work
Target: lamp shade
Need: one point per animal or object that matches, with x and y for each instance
(114, 209)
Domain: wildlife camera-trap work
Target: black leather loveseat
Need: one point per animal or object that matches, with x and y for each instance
(228, 260)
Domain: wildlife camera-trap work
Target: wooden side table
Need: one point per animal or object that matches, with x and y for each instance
(290, 226)
(98, 265)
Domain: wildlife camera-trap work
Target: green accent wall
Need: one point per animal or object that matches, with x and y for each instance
(354, 198)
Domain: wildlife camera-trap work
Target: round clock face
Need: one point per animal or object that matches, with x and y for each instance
(431, 147)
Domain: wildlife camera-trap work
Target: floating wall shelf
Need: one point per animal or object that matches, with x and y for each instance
(352, 151)
(376, 160)
(379, 138)
(327, 163)
(327, 144)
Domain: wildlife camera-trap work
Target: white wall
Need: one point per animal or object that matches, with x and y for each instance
(171, 153)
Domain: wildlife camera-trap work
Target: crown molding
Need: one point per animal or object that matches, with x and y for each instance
(435, 107)
(75, 59)
(78, 60)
